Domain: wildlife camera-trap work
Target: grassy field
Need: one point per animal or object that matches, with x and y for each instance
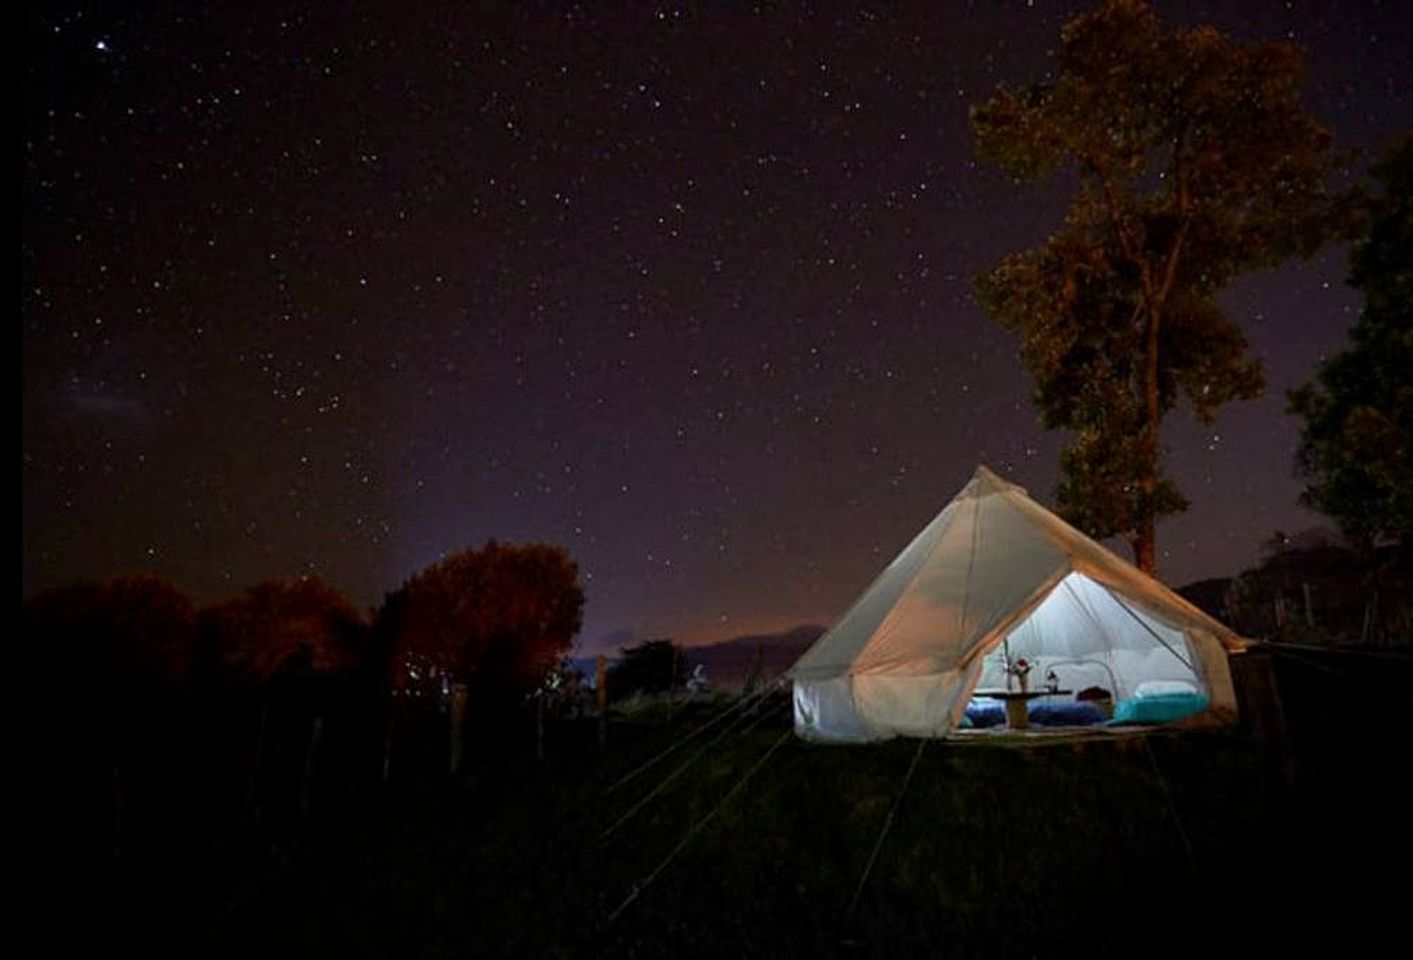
(1172, 844)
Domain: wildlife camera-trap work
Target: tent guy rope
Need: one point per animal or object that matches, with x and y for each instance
(681, 768)
(697, 828)
(887, 824)
(651, 762)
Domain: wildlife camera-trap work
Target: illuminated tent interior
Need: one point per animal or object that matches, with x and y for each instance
(995, 584)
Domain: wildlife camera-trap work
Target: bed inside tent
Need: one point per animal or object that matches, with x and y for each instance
(1090, 658)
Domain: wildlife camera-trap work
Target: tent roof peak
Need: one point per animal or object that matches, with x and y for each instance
(985, 482)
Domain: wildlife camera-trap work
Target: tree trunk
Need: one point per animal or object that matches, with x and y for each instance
(1145, 546)
(1145, 541)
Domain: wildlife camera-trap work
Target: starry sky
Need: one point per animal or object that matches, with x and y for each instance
(687, 288)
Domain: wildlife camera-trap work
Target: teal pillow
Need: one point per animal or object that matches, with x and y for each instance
(1164, 708)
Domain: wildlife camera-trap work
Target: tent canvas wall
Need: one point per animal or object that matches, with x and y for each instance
(996, 571)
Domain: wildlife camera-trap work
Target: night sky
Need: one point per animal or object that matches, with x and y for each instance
(316, 290)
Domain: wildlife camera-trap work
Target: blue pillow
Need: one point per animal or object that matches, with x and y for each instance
(1065, 713)
(986, 713)
(1164, 708)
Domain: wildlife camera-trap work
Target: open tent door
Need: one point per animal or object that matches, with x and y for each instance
(1091, 636)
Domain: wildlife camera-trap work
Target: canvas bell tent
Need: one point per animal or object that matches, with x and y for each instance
(993, 579)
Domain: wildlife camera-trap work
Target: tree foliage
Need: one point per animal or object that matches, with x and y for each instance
(653, 666)
(500, 617)
(279, 626)
(1193, 162)
(125, 638)
(1356, 445)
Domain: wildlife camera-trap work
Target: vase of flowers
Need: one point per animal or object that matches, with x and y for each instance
(1021, 671)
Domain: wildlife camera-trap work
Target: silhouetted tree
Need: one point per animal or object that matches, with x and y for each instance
(503, 615)
(1356, 444)
(1194, 162)
(497, 619)
(279, 625)
(653, 666)
(273, 650)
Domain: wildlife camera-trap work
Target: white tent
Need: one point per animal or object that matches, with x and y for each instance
(994, 572)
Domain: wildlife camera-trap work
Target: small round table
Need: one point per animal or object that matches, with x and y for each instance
(1017, 714)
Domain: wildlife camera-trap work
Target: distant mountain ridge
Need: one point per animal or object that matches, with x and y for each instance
(729, 662)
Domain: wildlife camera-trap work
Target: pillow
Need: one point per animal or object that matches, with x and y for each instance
(1162, 708)
(986, 713)
(1159, 688)
(1065, 714)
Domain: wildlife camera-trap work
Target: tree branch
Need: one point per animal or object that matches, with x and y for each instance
(1183, 215)
(1111, 201)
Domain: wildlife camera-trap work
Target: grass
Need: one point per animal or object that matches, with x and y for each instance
(1165, 845)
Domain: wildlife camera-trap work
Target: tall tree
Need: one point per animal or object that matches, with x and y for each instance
(499, 618)
(1193, 161)
(1356, 445)
(495, 622)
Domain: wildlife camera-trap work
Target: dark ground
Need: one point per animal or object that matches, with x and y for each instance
(1172, 844)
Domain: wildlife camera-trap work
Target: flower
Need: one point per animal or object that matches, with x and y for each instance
(1020, 668)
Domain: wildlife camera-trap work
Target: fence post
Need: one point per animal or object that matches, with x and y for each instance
(117, 784)
(601, 695)
(540, 725)
(252, 783)
(307, 786)
(388, 741)
(458, 715)
(757, 668)
(1262, 711)
(672, 685)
